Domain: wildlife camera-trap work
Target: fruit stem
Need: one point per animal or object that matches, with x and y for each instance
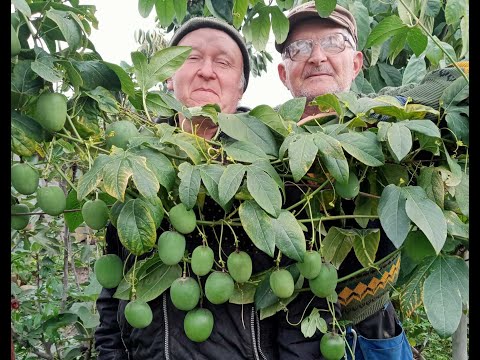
(62, 174)
(277, 260)
(325, 183)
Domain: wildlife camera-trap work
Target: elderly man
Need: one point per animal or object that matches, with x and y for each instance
(319, 57)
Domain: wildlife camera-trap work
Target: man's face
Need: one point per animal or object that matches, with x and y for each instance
(212, 73)
(321, 73)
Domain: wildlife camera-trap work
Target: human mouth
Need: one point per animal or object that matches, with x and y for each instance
(206, 90)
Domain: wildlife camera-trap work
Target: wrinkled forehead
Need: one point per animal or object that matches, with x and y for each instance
(314, 28)
(211, 38)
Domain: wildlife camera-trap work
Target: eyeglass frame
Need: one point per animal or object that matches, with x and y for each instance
(345, 39)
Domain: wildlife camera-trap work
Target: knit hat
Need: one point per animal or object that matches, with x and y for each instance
(339, 15)
(215, 23)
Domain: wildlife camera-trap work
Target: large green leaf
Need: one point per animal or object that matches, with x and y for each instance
(264, 190)
(336, 245)
(280, 25)
(29, 127)
(24, 80)
(211, 175)
(89, 319)
(325, 7)
(456, 92)
(96, 73)
(426, 127)
(127, 85)
(73, 219)
(22, 6)
(426, 215)
(230, 181)
(430, 179)
(260, 26)
(390, 74)
(362, 18)
(180, 7)
(221, 9)
(270, 170)
(462, 194)
(244, 151)
(189, 184)
(365, 245)
(143, 178)
(392, 214)
(89, 180)
(160, 165)
(289, 236)
(258, 225)
(270, 118)
(327, 102)
(136, 227)
(44, 66)
(415, 70)
(364, 206)
(363, 146)
(399, 141)
(162, 65)
(411, 296)
(69, 28)
(292, 109)
(165, 12)
(442, 305)
(185, 145)
(459, 124)
(248, 128)
(455, 10)
(455, 226)
(302, 152)
(384, 30)
(104, 98)
(145, 7)
(239, 11)
(332, 156)
(417, 40)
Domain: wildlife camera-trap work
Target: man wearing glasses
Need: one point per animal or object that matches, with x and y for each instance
(319, 57)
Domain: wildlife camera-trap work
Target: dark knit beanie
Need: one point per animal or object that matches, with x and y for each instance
(215, 23)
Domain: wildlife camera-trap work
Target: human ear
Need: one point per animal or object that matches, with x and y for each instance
(282, 73)
(357, 63)
(170, 84)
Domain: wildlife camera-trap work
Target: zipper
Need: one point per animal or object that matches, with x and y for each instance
(252, 330)
(258, 338)
(165, 317)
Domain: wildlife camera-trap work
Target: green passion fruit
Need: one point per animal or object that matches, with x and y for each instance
(239, 266)
(198, 324)
(95, 214)
(138, 314)
(109, 270)
(202, 260)
(19, 222)
(311, 265)
(219, 287)
(119, 133)
(24, 178)
(171, 247)
(185, 293)
(281, 283)
(52, 200)
(332, 346)
(182, 219)
(325, 283)
(51, 111)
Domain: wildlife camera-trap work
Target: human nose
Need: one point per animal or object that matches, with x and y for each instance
(206, 69)
(317, 55)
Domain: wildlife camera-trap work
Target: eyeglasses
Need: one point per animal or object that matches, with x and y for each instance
(301, 50)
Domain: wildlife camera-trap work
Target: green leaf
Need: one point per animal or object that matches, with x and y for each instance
(89, 319)
(392, 214)
(22, 6)
(144, 179)
(384, 30)
(89, 180)
(280, 25)
(426, 215)
(116, 174)
(264, 190)
(417, 40)
(165, 12)
(162, 65)
(325, 7)
(73, 219)
(426, 127)
(127, 85)
(462, 194)
(412, 293)
(336, 245)
(68, 27)
(183, 143)
(364, 206)
(362, 18)
(261, 28)
(259, 227)
(292, 110)
(73, 76)
(456, 92)
(221, 9)
(390, 74)
(332, 156)
(136, 227)
(399, 141)
(264, 295)
(313, 322)
(455, 10)
(29, 127)
(180, 7)
(431, 181)
(50, 326)
(244, 293)
(211, 175)
(442, 305)
(265, 165)
(363, 146)
(106, 101)
(459, 124)
(44, 66)
(289, 236)
(327, 102)
(270, 118)
(96, 73)
(248, 128)
(455, 226)
(302, 152)
(365, 245)
(145, 7)
(160, 165)
(415, 70)
(244, 151)
(432, 7)
(189, 184)
(239, 11)
(230, 181)
(23, 80)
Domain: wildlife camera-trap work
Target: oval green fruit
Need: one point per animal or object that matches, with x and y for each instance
(19, 222)
(326, 281)
(311, 265)
(171, 247)
(198, 324)
(219, 287)
(109, 270)
(182, 219)
(332, 346)
(239, 266)
(281, 283)
(350, 189)
(14, 42)
(95, 214)
(51, 199)
(51, 111)
(202, 260)
(119, 133)
(185, 293)
(24, 178)
(138, 314)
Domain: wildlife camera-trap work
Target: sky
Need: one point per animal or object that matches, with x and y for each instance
(114, 40)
